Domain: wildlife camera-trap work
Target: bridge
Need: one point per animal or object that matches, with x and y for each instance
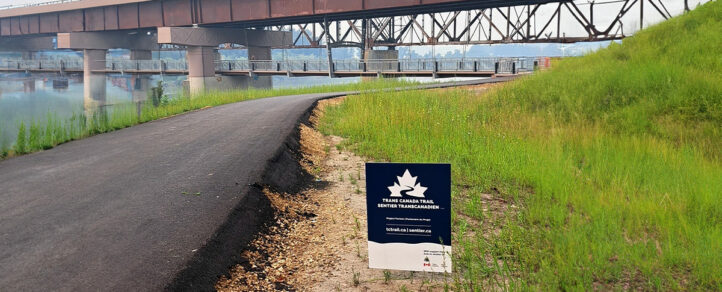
(437, 68)
(109, 212)
(201, 27)
(361, 23)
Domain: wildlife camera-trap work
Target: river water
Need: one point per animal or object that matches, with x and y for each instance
(31, 98)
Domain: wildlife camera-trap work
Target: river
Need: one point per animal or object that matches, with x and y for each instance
(32, 98)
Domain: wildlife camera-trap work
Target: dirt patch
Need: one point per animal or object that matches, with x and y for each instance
(317, 240)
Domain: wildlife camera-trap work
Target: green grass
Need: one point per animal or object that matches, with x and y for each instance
(612, 163)
(53, 131)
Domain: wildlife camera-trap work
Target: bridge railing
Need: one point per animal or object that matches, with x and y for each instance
(42, 64)
(501, 65)
(496, 65)
(348, 65)
(304, 65)
(515, 65)
(279, 66)
(145, 65)
(12, 6)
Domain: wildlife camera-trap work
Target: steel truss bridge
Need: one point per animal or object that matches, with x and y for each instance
(552, 22)
(467, 67)
(362, 23)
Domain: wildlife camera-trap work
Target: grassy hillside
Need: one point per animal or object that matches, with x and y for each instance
(603, 173)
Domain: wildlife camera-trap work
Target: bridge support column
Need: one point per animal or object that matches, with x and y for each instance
(28, 55)
(201, 40)
(201, 69)
(202, 74)
(29, 84)
(261, 54)
(381, 60)
(141, 83)
(95, 45)
(93, 83)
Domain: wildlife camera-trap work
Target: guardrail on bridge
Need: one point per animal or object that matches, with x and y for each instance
(348, 67)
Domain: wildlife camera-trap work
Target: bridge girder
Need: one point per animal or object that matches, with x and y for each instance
(553, 22)
(27, 44)
(203, 36)
(464, 23)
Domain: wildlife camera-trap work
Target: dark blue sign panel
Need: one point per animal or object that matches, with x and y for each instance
(409, 216)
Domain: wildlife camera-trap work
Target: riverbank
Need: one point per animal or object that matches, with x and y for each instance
(53, 131)
(611, 161)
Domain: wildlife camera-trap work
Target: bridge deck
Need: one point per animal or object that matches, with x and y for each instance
(106, 15)
(469, 67)
(282, 73)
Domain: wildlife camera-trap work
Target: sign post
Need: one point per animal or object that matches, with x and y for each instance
(409, 216)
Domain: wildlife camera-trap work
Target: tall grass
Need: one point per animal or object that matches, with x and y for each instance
(53, 131)
(4, 149)
(608, 166)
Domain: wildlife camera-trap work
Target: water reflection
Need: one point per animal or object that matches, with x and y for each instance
(34, 98)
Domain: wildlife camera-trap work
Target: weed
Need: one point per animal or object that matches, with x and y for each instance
(34, 137)
(20, 142)
(358, 222)
(356, 280)
(157, 95)
(611, 164)
(387, 276)
(4, 152)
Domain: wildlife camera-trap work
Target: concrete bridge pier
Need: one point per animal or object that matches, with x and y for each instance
(381, 60)
(202, 73)
(261, 82)
(141, 82)
(28, 84)
(201, 69)
(95, 46)
(28, 55)
(94, 93)
(201, 55)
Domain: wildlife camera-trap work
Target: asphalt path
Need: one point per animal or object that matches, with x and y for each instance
(131, 210)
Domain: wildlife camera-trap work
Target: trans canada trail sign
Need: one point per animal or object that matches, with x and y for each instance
(409, 216)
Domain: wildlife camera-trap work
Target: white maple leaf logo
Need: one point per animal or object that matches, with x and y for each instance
(407, 185)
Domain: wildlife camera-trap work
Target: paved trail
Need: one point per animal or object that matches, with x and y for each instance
(119, 211)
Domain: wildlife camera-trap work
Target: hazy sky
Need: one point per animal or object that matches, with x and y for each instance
(604, 13)
(19, 2)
